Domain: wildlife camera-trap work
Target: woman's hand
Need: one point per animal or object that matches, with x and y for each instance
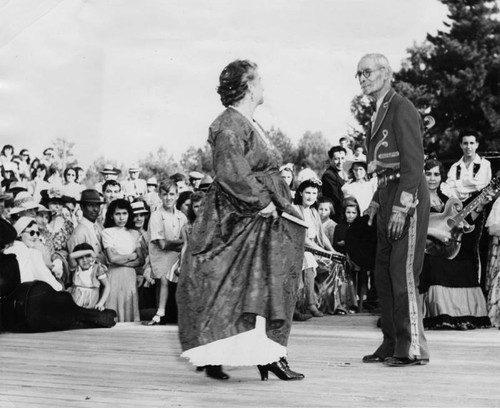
(269, 211)
(100, 306)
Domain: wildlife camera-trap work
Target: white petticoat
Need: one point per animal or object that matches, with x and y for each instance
(244, 349)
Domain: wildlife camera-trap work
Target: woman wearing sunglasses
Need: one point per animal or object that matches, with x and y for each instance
(30, 259)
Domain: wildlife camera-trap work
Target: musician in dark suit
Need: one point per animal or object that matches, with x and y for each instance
(334, 178)
(401, 203)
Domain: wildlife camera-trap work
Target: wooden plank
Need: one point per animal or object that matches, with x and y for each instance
(136, 366)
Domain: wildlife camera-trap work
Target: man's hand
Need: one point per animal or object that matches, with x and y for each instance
(371, 211)
(396, 225)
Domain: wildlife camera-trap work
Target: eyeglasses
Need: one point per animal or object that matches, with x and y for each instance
(33, 233)
(366, 72)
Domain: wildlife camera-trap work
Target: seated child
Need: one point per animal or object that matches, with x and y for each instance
(88, 278)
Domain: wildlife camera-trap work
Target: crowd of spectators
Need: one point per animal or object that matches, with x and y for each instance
(118, 244)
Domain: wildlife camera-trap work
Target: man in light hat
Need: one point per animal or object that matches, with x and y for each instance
(152, 198)
(195, 178)
(134, 187)
(88, 230)
(109, 172)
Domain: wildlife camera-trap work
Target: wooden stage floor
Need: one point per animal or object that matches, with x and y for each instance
(137, 366)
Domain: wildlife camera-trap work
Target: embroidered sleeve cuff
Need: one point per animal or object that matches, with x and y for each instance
(397, 208)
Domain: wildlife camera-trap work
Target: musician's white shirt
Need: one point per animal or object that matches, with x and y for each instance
(467, 182)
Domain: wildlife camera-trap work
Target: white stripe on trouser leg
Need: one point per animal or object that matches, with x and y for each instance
(412, 290)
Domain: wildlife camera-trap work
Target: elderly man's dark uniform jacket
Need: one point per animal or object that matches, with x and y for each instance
(395, 153)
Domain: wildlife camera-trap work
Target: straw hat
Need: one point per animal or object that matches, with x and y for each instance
(24, 201)
(110, 169)
(196, 175)
(152, 181)
(134, 168)
(138, 207)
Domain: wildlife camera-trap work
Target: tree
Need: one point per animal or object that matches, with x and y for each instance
(313, 147)
(63, 149)
(457, 75)
(160, 165)
(284, 144)
(200, 159)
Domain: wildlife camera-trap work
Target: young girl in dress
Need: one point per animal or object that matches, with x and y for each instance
(326, 213)
(165, 244)
(348, 302)
(88, 279)
(305, 202)
(122, 245)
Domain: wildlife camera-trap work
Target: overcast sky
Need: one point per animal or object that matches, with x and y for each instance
(122, 77)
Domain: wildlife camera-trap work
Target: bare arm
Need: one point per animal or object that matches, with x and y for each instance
(105, 293)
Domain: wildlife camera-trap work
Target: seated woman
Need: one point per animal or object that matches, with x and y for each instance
(453, 298)
(34, 305)
(29, 257)
(316, 239)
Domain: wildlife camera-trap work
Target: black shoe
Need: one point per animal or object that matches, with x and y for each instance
(372, 358)
(301, 317)
(280, 369)
(200, 368)
(215, 371)
(404, 362)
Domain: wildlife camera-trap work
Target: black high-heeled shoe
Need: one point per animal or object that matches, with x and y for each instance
(215, 371)
(280, 369)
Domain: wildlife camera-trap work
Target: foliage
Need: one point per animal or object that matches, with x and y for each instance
(63, 150)
(284, 144)
(199, 159)
(160, 165)
(313, 147)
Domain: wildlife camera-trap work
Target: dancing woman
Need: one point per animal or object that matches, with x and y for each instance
(238, 280)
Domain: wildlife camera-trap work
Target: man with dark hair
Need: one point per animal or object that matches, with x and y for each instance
(471, 173)
(402, 206)
(111, 190)
(89, 230)
(334, 178)
(180, 181)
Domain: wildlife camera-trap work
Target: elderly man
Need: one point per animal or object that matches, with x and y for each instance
(401, 203)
